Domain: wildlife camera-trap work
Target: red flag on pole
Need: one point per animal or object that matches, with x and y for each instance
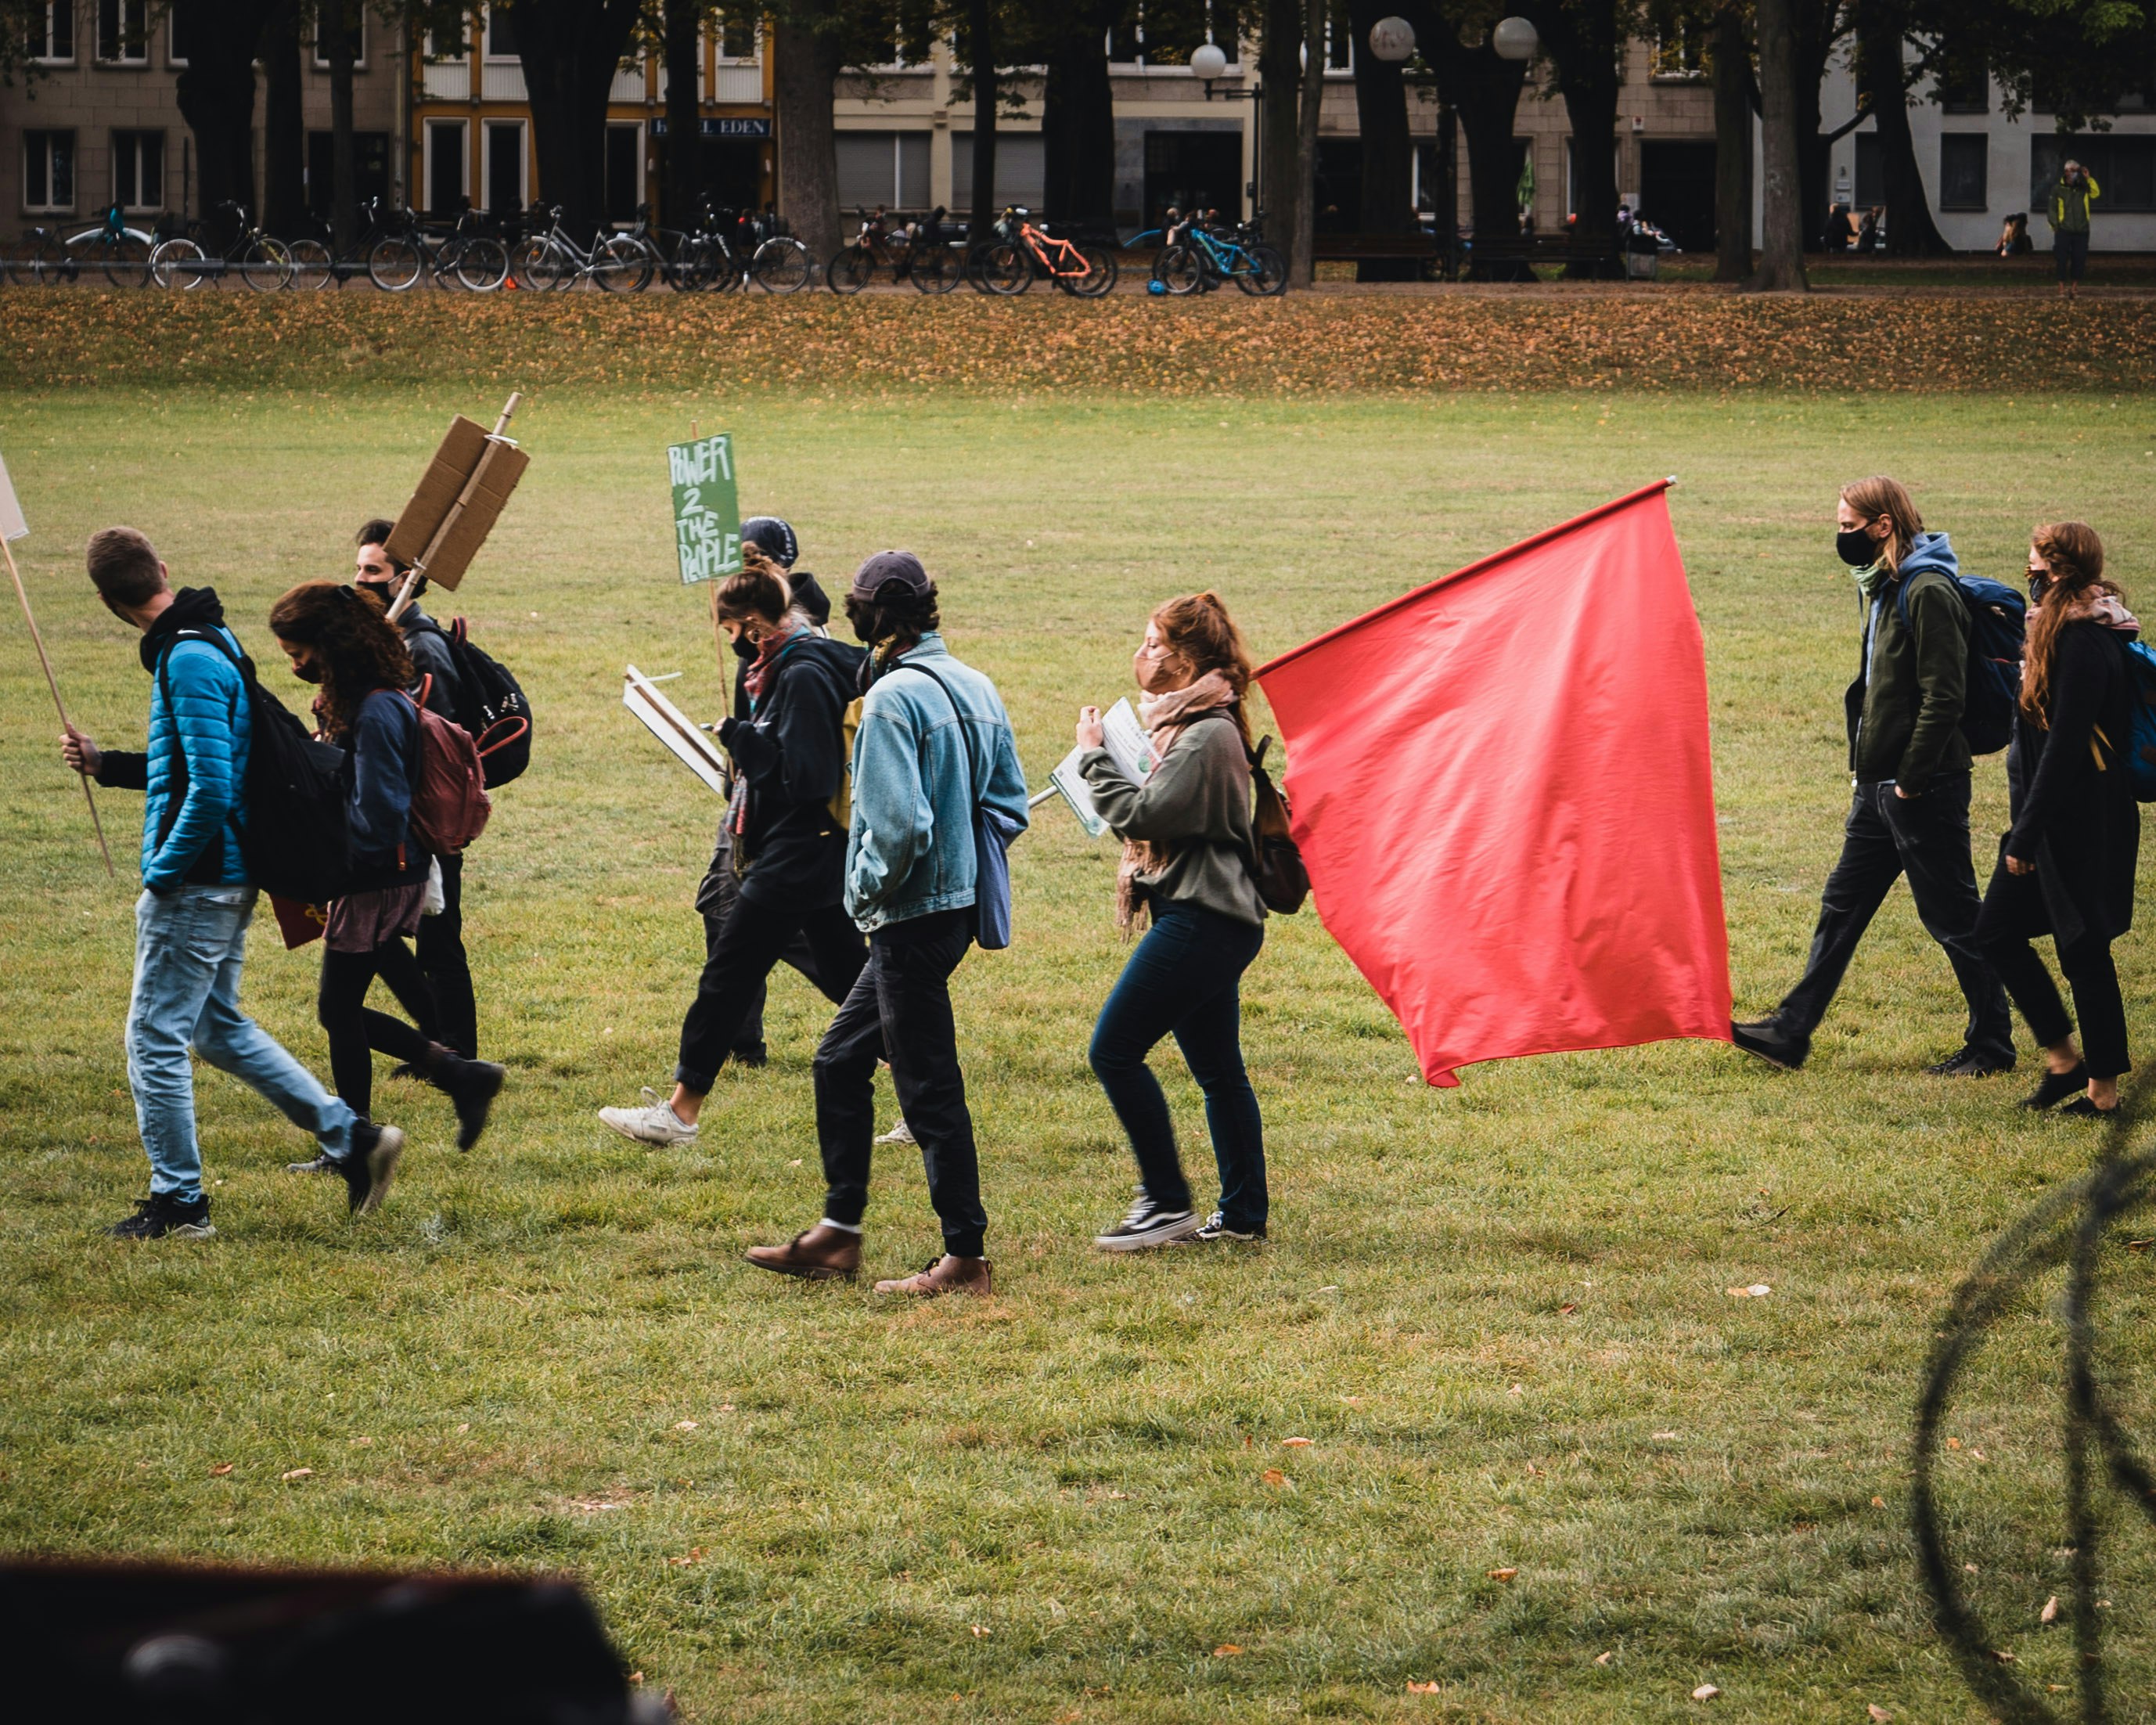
(1502, 790)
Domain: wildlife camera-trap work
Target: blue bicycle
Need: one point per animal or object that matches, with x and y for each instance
(1198, 258)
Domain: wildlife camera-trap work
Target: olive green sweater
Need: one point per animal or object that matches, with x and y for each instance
(1196, 805)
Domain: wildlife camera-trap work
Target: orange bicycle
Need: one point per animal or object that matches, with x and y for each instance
(1022, 251)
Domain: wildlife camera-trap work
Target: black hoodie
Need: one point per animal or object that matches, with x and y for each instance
(793, 756)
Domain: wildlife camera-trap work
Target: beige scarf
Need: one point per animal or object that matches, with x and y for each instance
(1165, 718)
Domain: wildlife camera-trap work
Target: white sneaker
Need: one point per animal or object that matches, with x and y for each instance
(653, 1123)
(901, 1133)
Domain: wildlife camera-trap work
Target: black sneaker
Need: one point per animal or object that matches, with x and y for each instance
(1216, 1228)
(371, 1165)
(2057, 1086)
(1766, 1039)
(1149, 1224)
(749, 1057)
(160, 1215)
(1973, 1063)
(471, 1086)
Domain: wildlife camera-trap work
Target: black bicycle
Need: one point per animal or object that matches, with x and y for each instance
(465, 256)
(195, 255)
(316, 264)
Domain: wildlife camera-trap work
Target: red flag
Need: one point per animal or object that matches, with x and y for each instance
(1502, 789)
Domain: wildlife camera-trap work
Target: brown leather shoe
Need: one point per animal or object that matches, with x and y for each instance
(821, 1255)
(947, 1275)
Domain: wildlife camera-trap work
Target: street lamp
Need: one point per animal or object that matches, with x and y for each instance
(1514, 39)
(1391, 40)
(1208, 61)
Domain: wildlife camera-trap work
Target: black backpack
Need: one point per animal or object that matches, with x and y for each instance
(295, 839)
(490, 705)
(1276, 865)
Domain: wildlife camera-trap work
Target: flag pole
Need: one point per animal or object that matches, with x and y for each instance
(404, 599)
(52, 683)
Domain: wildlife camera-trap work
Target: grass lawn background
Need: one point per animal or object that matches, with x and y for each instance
(1499, 1314)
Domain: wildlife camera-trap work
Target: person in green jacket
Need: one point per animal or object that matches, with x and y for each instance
(1909, 766)
(2071, 197)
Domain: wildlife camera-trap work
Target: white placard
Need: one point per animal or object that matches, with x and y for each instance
(694, 748)
(12, 526)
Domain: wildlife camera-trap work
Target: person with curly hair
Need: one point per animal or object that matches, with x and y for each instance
(335, 637)
(2066, 867)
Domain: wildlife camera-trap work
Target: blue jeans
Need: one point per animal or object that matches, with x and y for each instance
(1184, 980)
(188, 948)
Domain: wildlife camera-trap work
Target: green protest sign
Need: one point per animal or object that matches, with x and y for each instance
(706, 512)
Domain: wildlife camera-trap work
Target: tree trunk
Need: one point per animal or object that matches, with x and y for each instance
(1815, 26)
(804, 70)
(570, 49)
(1583, 41)
(1280, 74)
(1732, 146)
(981, 46)
(682, 189)
(1078, 121)
(1884, 83)
(216, 95)
(1381, 111)
(1484, 91)
(1302, 262)
(1782, 256)
(284, 128)
(340, 26)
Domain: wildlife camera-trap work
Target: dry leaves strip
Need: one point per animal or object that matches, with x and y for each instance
(893, 346)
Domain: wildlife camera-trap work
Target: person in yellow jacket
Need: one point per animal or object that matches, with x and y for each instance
(2071, 197)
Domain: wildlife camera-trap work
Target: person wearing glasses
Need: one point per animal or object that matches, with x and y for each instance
(1910, 769)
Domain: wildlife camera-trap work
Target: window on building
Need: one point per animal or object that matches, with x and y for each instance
(887, 167)
(1680, 52)
(1021, 169)
(445, 167)
(446, 44)
(501, 33)
(1965, 170)
(1962, 86)
(625, 172)
(358, 24)
(52, 39)
(370, 169)
(2122, 165)
(504, 165)
(180, 42)
(48, 170)
(123, 32)
(138, 170)
(735, 37)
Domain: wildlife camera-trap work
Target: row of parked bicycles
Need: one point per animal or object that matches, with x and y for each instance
(725, 251)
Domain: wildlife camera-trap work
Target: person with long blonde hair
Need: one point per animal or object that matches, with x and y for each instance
(2066, 867)
(1186, 865)
(1909, 766)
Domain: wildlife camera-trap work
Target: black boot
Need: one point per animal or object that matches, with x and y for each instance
(470, 1086)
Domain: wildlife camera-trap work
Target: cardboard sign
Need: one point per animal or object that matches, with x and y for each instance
(692, 747)
(465, 452)
(706, 510)
(12, 526)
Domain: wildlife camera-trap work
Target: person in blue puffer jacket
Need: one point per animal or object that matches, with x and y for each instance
(336, 637)
(191, 922)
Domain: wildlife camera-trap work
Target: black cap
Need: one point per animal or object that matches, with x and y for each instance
(773, 537)
(884, 568)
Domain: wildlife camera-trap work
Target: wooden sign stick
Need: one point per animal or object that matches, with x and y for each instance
(404, 599)
(53, 684)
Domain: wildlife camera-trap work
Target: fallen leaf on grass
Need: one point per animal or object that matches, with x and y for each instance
(684, 1426)
(980, 1631)
(1757, 1290)
(1119, 1496)
(1605, 1658)
(1415, 1688)
(1567, 1308)
(1879, 1503)
(1663, 1437)
(220, 1471)
(2139, 1245)
(693, 1554)
(1705, 1691)
(1502, 1574)
(362, 1443)
(1878, 1714)
(1353, 1401)
(1954, 1443)
(298, 1473)
(465, 1428)
(1969, 1568)
(796, 1162)
(1226, 1650)
(1294, 1443)
(1980, 1456)
(1516, 1389)
(2050, 1613)
(1273, 1477)
(2003, 1656)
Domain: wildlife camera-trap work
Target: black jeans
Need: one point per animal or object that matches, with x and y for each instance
(2070, 252)
(715, 898)
(739, 959)
(2013, 913)
(900, 1010)
(356, 1032)
(442, 961)
(1925, 838)
(1184, 980)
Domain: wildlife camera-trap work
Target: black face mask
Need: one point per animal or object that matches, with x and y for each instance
(743, 647)
(2039, 585)
(1857, 548)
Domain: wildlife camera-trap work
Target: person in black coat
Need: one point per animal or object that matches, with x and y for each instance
(2066, 867)
(787, 831)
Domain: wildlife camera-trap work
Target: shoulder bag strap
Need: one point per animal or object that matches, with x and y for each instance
(965, 731)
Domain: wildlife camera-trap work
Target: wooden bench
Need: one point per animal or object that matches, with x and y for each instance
(1421, 249)
(1513, 255)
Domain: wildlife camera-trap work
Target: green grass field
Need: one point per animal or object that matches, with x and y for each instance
(1499, 1314)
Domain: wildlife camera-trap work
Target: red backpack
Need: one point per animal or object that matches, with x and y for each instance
(449, 805)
